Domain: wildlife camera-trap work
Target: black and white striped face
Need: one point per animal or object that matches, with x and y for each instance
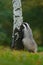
(25, 29)
(24, 26)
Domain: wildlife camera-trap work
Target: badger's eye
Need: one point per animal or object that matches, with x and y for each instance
(16, 36)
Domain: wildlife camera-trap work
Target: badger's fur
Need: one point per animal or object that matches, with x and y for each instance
(28, 40)
(30, 45)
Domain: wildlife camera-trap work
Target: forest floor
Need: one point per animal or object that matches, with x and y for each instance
(14, 57)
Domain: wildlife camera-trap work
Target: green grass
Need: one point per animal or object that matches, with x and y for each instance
(12, 57)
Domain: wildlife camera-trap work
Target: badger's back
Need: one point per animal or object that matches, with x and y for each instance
(30, 44)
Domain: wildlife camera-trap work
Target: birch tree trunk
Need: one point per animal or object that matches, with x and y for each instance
(17, 16)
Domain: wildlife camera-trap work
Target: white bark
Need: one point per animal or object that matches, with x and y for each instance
(17, 13)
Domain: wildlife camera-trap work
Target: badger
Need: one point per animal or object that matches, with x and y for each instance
(28, 40)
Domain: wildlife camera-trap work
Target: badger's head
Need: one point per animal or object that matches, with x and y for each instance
(25, 28)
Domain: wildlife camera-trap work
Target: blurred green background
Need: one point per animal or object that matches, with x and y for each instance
(32, 13)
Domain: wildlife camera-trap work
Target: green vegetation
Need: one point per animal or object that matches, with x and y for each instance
(12, 57)
(32, 13)
(5, 22)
